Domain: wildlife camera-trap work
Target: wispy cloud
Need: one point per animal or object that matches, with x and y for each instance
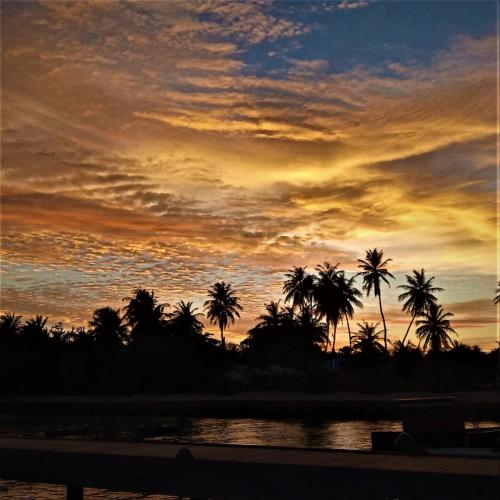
(351, 5)
(162, 145)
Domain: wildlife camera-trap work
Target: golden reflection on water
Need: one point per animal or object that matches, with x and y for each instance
(303, 433)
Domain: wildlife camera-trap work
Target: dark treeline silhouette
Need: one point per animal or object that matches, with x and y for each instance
(148, 346)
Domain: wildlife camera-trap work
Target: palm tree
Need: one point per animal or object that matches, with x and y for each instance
(434, 328)
(399, 347)
(348, 298)
(144, 314)
(496, 300)
(78, 336)
(57, 333)
(299, 288)
(107, 327)
(287, 317)
(374, 272)
(273, 318)
(222, 307)
(308, 325)
(10, 326)
(418, 295)
(185, 318)
(367, 339)
(35, 330)
(188, 331)
(327, 295)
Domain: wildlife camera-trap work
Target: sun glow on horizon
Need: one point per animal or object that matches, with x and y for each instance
(172, 146)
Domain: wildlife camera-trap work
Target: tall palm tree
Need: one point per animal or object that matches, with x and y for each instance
(186, 318)
(10, 326)
(418, 295)
(188, 330)
(434, 328)
(222, 307)
(299, 288)
(374, 271)
(327, 295)
(348, 299)
(367, 339)
(144, 314)
(107, 327)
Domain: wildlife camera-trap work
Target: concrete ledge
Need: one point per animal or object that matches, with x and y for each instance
(241, 472)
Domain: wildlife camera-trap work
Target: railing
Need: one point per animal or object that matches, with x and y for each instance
(245, 472)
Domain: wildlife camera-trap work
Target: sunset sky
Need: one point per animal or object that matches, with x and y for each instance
(170, 145)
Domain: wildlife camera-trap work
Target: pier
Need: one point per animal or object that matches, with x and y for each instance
(245, 472)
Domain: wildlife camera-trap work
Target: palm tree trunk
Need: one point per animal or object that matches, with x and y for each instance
(349, 330)
(498, 371)
(223, 340)
(383, 320)
(409, 326)
(334, 336)
(327, 334)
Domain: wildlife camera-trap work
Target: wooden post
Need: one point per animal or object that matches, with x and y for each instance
(74, 492)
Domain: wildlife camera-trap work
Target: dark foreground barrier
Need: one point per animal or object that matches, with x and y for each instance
(246, 472)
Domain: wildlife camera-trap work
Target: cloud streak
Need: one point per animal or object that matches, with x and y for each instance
(172, 146)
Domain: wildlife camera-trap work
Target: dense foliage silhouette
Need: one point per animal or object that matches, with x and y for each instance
(149, 347)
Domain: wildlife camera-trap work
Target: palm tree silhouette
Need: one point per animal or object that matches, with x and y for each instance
(144, 314)
(107, 327)
(418, 295)
(35, 330)
(327, 295)
(186, 318)
(348, 298)
(273, 318)
(399, 347)
(222, 307)
(367, 339)
(79, 336)
(374, 272)
(310, 326)
(496, 300)
(299, 288)
(10, 326)
(434, 328)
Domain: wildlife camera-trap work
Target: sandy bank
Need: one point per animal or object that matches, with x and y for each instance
(480, 404)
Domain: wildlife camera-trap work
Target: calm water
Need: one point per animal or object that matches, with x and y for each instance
(311, 433)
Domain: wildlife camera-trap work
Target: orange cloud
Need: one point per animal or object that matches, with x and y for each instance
(142, 137)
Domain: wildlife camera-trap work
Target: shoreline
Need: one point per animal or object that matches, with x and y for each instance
(470, 404)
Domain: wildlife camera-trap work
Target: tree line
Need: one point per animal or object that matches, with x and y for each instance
(146, 346)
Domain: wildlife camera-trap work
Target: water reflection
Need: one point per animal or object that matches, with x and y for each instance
(307, 432)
